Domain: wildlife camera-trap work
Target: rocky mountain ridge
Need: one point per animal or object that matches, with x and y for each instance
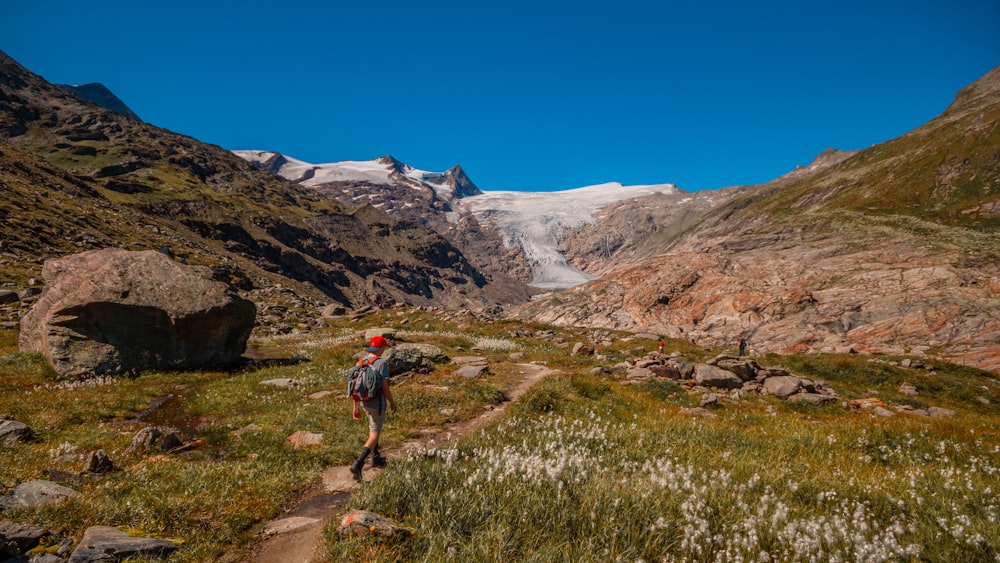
(77, 176)
(893, 249)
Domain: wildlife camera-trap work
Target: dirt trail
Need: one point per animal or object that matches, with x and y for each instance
(297, 536)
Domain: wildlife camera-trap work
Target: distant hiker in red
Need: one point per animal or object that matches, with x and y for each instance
(743, 346)
(374, 406)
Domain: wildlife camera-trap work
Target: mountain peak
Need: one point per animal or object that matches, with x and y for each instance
(99, 94)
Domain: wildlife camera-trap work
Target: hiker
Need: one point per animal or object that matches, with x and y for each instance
(374, 408)
(743, 346)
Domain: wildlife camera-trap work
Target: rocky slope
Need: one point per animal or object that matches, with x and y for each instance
(76, 176)
(894, 249)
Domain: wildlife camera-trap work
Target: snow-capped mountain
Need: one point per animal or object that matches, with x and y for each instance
(532, 223)
(386, 170)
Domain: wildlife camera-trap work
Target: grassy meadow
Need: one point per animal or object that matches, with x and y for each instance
(582, 468)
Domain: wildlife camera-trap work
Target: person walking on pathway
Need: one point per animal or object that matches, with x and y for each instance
(743, 346)
(374, 408)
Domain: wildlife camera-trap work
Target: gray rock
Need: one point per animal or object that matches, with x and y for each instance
(333, 310)
(113, 311)
(104, 544)
(908, 389)
(472, 371)
(284, 382)
(811, 398)
(13, 431)
(668, 371)
(883, 412)
(711, 376)
(939, 412)
(414, 357)
(23, 537)
(745, 369)
(99, 462)
(639, 374)
(365, 523)
(698, 412)
(686, 369)
(470, 360)
(384, 332)
(8, 296)
(782, 386)
(710, 400)
(37, 493)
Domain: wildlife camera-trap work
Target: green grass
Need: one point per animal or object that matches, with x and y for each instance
(583, 469)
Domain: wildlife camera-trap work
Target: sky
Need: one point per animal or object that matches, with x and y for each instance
(525, 95)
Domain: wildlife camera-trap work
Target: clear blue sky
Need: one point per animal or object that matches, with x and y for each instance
(532, 95)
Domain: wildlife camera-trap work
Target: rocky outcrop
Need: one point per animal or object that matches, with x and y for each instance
(105, 544)
(113, 311)
(414, 357)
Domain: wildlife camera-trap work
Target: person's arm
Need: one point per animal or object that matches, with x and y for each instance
(388, 393)
(356, 415)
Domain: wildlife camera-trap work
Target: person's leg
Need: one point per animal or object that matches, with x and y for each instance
(375, 419)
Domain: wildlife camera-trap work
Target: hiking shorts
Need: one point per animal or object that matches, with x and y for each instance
(375, 409)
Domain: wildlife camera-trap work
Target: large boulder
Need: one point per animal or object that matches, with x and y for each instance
(414, 357)
(114, 311)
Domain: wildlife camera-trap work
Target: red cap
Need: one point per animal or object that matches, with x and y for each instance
(378, 342)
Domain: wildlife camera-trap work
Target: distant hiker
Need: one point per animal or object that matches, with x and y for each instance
(743, 346)
(374, 406)
(661, 345)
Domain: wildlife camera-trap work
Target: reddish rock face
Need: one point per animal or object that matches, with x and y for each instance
(113, 311)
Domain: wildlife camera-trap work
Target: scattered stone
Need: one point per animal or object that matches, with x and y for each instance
(581, 349)
(517, 356)
(639, 374)
(288, 525)
(666, 371)
(99, 462)
(745, 369)
(711, 376)
(699, 412)
(151, 437)
(333, 310)
(365, 523)
(939, 412)
(284, 382)
(13, 431)
(320, 395)
(22, 537)
(414, 357)
(103, 544)
(470, 360)
(389, 333)
(869, 403)
(710, 400)
(238, 433)
(907, 362)
(882, 411)
(37, 493)
(907, 389)
(811, 398)
(8, 296)
(782, 386)
(473, 371)
(302, 439)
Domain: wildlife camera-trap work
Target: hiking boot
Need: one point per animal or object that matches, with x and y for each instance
(379, 461)
(356, 470)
